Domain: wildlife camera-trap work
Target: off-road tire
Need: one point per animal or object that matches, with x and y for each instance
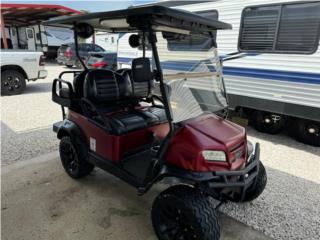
(71, 152)
(254, 191)
(260, 125)
(302, 134)
(10, 86)
(188, 210)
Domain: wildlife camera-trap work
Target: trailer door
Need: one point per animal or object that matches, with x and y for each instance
(30, 39)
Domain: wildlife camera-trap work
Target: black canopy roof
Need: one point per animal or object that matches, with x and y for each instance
(138, 18)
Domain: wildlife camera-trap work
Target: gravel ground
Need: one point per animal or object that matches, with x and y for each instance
(288, 209)
(26, 120)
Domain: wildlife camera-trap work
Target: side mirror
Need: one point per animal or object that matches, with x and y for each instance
(84, 30)
(280, 28)
(134, 40)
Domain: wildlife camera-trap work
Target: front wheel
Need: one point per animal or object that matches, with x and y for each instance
(182, 212)
(256, 189)
(12, 82)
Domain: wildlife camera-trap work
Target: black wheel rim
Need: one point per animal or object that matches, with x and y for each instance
(175, 224)
(11, 83)
(69, 156)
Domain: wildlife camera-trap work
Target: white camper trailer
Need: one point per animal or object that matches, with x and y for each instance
(273, 90)
(21, 26)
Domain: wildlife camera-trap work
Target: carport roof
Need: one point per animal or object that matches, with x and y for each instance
(28, 14)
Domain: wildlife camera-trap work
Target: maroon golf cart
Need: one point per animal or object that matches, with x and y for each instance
(144, 124)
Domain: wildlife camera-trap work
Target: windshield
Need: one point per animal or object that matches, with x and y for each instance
(193, 74)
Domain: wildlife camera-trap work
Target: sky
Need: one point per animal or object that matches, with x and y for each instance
(92, 6)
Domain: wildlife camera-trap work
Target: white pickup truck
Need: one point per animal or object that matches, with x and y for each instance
(18, 66)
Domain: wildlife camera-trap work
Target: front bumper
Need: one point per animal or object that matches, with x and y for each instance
(212, 182)
(239, 178)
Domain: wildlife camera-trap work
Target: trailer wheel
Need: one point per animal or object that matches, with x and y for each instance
(307, 131)
(267, 122)
(254, 191)
(12, 82)
(73, 162)
(182, 212)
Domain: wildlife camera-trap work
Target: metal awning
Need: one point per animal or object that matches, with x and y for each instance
(20, 15)
(137, 18)
(27, 14)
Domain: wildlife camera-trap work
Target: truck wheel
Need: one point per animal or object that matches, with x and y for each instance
(254, 191)
(267, 122)
(73, 162)
(307, 131)
(12, 82)
(182, 212)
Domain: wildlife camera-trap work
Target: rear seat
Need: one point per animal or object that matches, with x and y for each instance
(109, 90)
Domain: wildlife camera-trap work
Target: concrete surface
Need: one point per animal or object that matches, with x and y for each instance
(39, 201)
(288, 209)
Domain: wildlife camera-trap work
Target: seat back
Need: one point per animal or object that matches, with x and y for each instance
(142, 77)
(78, 83)
(105, 86)
(101, 86)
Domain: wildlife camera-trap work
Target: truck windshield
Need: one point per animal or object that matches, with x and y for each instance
(193, 75)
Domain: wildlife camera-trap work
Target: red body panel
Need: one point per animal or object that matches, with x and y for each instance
(113, 147)
(207, 132)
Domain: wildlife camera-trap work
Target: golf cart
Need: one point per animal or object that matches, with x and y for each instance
(143, 125)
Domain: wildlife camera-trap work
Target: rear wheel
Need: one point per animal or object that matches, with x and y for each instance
(267, 122)
(182, 212)
(12, 82)
(73, 160)
(307, 131)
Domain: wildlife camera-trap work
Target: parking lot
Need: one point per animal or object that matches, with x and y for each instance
(288, 209)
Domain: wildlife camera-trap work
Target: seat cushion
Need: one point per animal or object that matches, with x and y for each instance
(159, 112)
(126, 122)
(152, 115)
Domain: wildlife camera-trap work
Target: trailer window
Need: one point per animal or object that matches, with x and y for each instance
(30, 33)
(283, 28)
(181, 42)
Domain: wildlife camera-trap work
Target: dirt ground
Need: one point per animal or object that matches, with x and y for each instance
(39, 201)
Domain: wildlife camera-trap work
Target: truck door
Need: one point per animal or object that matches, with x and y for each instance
(30, 39)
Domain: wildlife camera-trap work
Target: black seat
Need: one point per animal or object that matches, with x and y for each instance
(143, 84)
(110, 92)
(104, 87)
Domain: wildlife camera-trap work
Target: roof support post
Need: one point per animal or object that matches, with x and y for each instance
(159, 76)
(3, 31)
(76, 46)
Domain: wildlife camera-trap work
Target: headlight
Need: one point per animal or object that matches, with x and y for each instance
(214, 155)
